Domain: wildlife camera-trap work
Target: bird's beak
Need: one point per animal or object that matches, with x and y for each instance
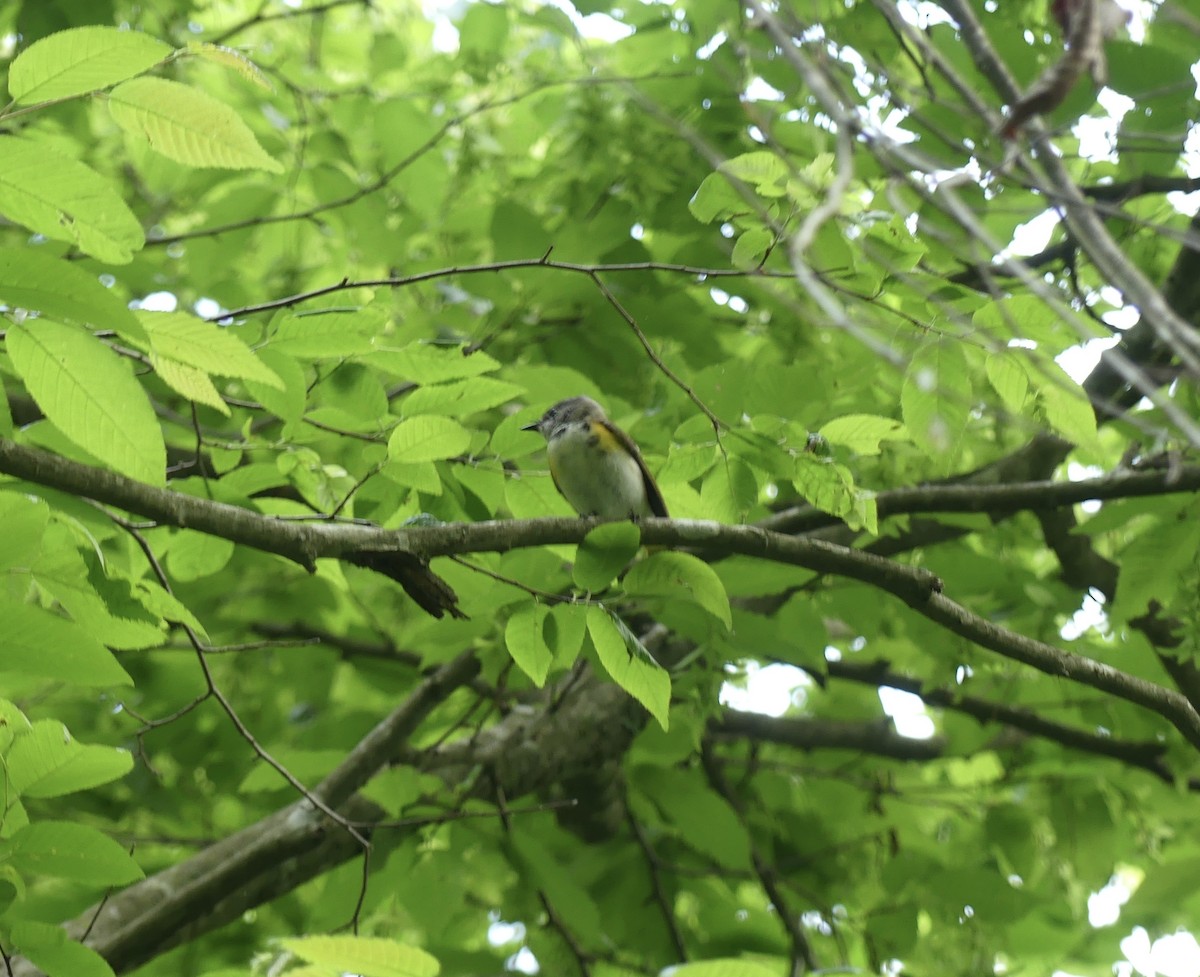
(536, 425)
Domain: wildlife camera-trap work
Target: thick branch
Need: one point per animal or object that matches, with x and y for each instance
(1001, 499)
(137, 924)
(1146, 755)
(804, 733)
(1085, 224)
(917, 587)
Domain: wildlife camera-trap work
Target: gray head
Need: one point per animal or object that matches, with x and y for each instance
(566, 412)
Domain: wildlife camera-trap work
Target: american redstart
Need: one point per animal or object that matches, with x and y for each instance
(595, 465)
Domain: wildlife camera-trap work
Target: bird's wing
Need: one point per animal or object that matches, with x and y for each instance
(654, 497)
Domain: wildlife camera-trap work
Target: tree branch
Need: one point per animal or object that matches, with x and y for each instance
(1001, 499)
(878, 737)
(181, 902)
(1147, 755)
(305, 542)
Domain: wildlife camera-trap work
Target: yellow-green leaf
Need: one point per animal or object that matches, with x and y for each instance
(35, 642)
(728, 967)
(367, 956)
(1065, 404)
(205, 345)
(189, 382)
(46, 762)
(683, 577)
(90, 395)
(54, 953)
(230, 58)
(34, 279)
(461, 398)
(1006, 373)
(427, 438)
(79, 60)
(188, 125)
(936, 399)
(647, 682)
(862, 433)
(526, 642)
(61, 198)
(751, 247)
(66, 850)
(603, 553)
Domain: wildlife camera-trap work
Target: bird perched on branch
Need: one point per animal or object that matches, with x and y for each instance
(595, 465)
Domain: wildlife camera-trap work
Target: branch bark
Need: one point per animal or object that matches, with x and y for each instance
(245, 869)
(305, 542)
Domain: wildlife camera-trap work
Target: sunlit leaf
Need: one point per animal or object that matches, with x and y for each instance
(65, 200)
(81, 59)
(90, 396)
(187, 125)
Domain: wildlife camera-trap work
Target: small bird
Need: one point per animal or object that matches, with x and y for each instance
(595, 465)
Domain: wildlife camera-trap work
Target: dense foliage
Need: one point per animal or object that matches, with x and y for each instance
(307, 669)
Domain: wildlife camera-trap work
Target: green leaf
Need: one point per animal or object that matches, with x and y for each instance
(730, 967)
(936, 400)
(483, 31)
(461, 398)
(825, 484)
(568, 624)
(79, 60)
(167, 606)
(326, 333)
(558, 880)
(22, 524)
(716, 198)
(703, 818)
(1153, 564)
(603, 553)
(54, 953)
(205, 346)
(187, 125)
(862, 433)
(648, 683)
(429, 363)
(526, 642)
(36, 642)
(364, 955)
(47, 762)
(13, 723)
(763, 170)
(89, 395)
(189, 382)
(1065, 404)
(680, 576)
(231, 58)
(67, 850)
(427, 438)
(307, 765)
(286, 403)
(193, 556)
(729, 491)
(751, 247)
(61, 198)
(31, 278)
(1008, 377)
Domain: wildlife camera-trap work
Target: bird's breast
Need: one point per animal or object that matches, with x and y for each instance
(596, 474)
